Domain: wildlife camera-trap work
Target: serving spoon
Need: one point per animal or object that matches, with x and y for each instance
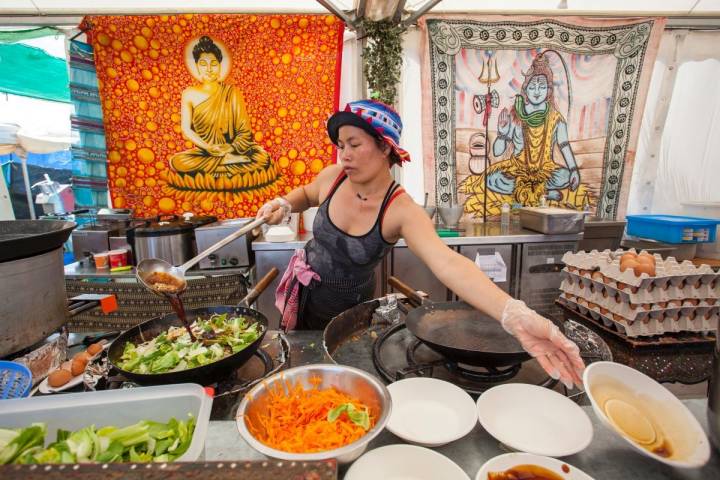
(165, 279)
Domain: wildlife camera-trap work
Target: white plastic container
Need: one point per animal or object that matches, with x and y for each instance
(119, 408)
(309, 218)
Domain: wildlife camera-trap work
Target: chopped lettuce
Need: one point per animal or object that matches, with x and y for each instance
(145, 441)
(219, 336)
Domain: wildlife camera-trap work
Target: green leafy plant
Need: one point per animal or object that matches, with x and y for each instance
(383, 58)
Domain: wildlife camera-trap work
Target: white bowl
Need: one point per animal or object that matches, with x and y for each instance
(534, 419)
(510, 460)
(658, 405)
(430, 412)
(404, 462)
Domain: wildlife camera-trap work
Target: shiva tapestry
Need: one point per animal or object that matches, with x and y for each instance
(525, 111)
(214, 114)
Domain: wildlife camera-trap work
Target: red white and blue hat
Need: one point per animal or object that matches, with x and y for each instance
(375, 118)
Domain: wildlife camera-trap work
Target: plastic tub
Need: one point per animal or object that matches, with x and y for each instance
(119, 408)
(673, 228)
(118, 258)
(102, 260)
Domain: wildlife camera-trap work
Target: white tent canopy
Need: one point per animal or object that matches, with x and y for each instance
(100, 7)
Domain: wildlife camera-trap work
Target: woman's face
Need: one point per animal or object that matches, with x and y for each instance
(208, 67)
(537, 89)
(359, 154)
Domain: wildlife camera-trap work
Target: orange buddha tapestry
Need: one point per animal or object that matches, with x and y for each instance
(214, 114)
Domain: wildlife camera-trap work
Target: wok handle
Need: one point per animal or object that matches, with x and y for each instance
(406, 290)
(259, 287)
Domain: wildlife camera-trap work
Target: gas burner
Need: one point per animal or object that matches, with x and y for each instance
(397, 342)
(271, 357)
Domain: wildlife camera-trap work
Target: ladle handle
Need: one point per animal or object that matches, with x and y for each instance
(212, 248)
(406, 290)
(259, 287)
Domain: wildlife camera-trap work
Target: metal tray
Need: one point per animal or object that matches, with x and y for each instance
(551, 220)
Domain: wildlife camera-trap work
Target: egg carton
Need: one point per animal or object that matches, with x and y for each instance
(652, 293)
(668, 272)
(627, 304)
(639, 312)
(654, 323)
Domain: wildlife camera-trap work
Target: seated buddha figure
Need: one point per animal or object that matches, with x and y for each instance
(215, 119)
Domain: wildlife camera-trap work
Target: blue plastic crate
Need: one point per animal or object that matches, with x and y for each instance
(673, 228)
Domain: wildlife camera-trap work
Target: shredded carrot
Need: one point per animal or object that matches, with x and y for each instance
(296, 419)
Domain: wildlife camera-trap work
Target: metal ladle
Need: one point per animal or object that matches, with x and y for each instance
(149, 266)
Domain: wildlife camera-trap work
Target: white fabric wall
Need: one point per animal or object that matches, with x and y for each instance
(678, 160)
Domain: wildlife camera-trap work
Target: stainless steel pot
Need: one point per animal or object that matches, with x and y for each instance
(714, 397)
(34, 302)
(168, 238)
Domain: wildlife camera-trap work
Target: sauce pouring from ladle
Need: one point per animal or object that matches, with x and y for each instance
(164, 279)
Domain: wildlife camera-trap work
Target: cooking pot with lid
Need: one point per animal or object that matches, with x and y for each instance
(168, 238)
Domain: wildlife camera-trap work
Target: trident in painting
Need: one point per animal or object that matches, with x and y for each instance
(484, 104)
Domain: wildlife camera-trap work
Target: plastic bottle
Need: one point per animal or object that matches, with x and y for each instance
(515, 213)
(505, 215)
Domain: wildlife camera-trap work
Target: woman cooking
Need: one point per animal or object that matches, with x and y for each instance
(362, 213)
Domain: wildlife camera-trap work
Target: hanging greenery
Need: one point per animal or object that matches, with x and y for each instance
(383, 58)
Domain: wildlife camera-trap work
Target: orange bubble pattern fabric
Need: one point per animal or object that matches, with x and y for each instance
(214, 114)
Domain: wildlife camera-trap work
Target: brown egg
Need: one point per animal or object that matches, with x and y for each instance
(663, 304)
(605, 293)
(628, 256)
(58, 378)
(618, 318)
(633, 306)
(628, 264)
(592, 305)
(692, 315)
(708, 315)
(644, 268)
(634, 289)
(711, 301)
(78, 366)
(621, 286)
(698, 284)
(84, 355)
(645, 258)
(597, 276)
(675, 303)
(618, 298)
(94, 349)
(691, 301)
(604, 311)
(647, 306)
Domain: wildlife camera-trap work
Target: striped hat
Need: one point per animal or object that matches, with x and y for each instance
(375, 118)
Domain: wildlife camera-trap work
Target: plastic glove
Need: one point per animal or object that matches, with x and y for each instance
(543, 340)
(275, 211)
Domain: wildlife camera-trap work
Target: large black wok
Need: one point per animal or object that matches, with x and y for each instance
(460, 332)
(205, 374)
(25, 238)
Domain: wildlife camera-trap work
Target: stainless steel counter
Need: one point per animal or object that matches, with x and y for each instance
(75, 271)
(607, 457)
(470, 234)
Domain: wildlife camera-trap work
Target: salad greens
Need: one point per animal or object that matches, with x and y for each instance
(172, 351)
(358, 417)
(145, 441)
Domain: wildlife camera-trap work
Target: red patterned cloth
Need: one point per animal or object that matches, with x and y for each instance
(287, 295)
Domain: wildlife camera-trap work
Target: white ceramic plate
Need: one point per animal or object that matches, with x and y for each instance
(534, 419)
(430, 412)
(510, 460)
(76, 380)
(687, 438)
(404, 462)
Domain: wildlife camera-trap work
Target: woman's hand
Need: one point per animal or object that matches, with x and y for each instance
(543, 340)
(275, 211)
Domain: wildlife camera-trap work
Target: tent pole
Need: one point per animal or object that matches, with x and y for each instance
(26, 178)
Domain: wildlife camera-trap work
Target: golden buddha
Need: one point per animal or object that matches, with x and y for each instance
(215, 119)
